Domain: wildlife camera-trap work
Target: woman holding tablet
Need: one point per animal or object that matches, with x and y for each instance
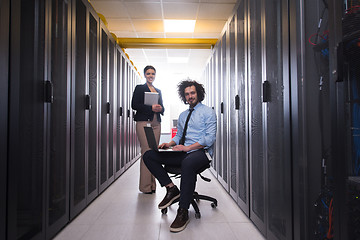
(147, 115)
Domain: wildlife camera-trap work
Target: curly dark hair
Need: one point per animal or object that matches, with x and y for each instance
(149, 67)
(188, 83)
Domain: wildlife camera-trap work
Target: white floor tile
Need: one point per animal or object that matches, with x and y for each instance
(122, 212)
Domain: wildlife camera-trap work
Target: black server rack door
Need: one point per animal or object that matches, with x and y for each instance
(232, 126)
(118, 112)
(104, 110)
(4, 83)
(92, 107)
(59, 115)
(217, 89)
(112, 103)
(242, 112)
(128, 114)
(346, 134)
(123, 113)
(127, 107)
(214, 105)
(26, 159)
(224, 110)
(257, 169)
(132, 145)
(278, 154)
(78, 161)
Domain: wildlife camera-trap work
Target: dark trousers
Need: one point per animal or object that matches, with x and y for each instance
(190, 163)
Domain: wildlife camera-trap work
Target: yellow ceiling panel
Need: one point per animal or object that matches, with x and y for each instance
(175, 43)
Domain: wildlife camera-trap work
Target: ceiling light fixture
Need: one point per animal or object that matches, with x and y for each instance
(179, 25)
(177, 59)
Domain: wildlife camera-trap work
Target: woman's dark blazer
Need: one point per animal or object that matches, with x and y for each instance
(144, 112)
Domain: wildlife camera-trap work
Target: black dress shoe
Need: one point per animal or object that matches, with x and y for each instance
(172, 194)
(181, 220)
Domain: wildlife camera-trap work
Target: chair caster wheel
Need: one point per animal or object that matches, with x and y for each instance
(213, 205)
(197, 215)
(164, 210)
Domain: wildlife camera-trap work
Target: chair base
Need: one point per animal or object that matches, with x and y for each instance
(196, 198)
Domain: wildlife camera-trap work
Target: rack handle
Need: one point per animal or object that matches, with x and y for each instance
(108, 108)
(237, 102)
(266, 91)
(88, 102)
(49, 92)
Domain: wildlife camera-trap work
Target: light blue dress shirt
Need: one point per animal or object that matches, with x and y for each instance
(201, 127)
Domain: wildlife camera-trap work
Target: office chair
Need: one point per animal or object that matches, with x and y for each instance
(176, 171)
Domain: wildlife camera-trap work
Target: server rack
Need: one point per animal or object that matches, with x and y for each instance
(253, 95)
(57, 112)
(4, 69)
(92, 105)
(118, 112)
(78, 88)
(232, 116)
(26, 198)
(107, 95)
(256, 131)
(276, 98)
(344, 47)
(241, 106)
(112, 107)
(124, 114)
(51, 169)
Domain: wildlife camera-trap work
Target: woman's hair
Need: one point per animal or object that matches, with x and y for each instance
(188, 83)
(149, 67)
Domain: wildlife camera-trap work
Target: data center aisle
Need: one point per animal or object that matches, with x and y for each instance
(122, 212)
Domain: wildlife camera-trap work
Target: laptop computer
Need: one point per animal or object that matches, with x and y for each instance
(150, 136)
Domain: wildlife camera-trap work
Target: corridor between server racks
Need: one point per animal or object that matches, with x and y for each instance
(122, 212)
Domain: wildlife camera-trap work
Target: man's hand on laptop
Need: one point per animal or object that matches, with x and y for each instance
(165, 145)
(181, 148)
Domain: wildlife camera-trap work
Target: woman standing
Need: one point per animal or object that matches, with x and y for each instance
(147, 115)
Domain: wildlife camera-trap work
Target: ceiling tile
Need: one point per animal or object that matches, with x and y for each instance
(179, 35)
(155, 53)
(111, 9)
(143, 1)
(215, 35)
(150, 35)
(200, 53)
(208, 26)
(158, 60)
(143, 18)
(178, 52)
(149, 25)
(181, 1)
(180, 10)
(144, 10)
(119, 25)
(215, 11)
(135, 52)
(218, 1)
(121, 34)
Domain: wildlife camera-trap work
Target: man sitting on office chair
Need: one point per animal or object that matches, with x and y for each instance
(196, 134)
